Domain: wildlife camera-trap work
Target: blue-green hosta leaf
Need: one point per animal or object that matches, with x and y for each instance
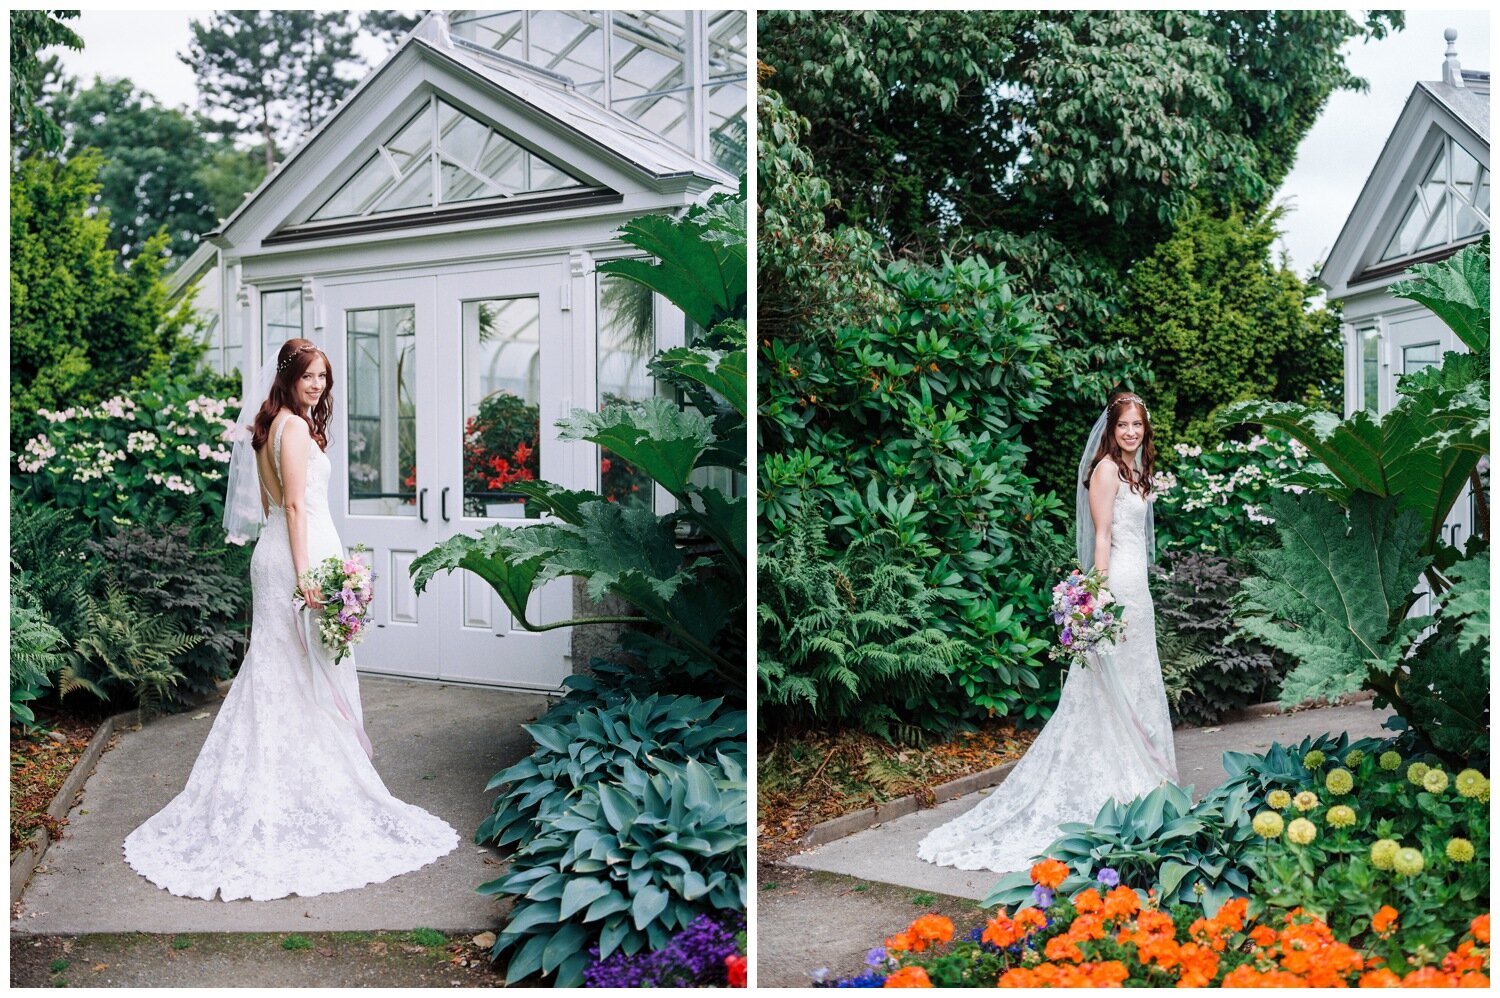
(619, 809)
(609, 904)
(581, 892)
(1171, 875)
(548, 737)
(649, 902)
(1457, 290)
(1468, 602)
(1330, 594)
(528, 959)
(570, 938)
(655, 435)
(615, 932)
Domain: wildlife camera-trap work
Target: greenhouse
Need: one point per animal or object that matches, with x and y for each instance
(437, 236)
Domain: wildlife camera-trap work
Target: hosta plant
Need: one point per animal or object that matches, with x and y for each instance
(631, 822)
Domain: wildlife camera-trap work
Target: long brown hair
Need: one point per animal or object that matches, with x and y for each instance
(294, 357)
(1138, 480)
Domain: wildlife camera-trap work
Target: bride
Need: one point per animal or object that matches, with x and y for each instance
(283, 798)
(1111, 735)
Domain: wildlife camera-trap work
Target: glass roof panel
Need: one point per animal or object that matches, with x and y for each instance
(413, 192)
(361, 190)
(460, 137)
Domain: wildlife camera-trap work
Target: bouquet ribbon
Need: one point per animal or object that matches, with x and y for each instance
(325, 684)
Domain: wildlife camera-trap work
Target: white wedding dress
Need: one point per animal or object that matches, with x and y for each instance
(283, 799)
(1111, 735)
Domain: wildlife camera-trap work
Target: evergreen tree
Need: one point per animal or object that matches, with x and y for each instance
(81, 326)
(271, 75)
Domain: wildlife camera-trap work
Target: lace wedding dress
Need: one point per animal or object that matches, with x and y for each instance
(283, 799)
(1111, 735)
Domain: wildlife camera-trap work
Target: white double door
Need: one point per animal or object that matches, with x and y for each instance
(449, 388)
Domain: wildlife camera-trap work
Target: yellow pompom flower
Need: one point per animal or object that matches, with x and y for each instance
(1267, 824)
(1354, 757)
(1460, 850)
(1314, 759)
(1468, 782)
(1301, 832)
(1390, 761)
(1339, 782)
(1340, 816)
(1279, 799)
(1305, 801)
(1408, 862)
(1435, 782)
(1383, 854)
(1416, 773)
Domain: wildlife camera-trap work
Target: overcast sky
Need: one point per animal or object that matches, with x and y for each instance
(1332, 163)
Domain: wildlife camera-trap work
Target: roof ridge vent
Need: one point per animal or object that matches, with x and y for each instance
(1453, 74)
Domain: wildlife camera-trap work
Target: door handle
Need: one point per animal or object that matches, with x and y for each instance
(422, 505)
(444, 503)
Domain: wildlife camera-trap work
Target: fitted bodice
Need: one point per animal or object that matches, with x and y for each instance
(319, 472)
(1127, 548)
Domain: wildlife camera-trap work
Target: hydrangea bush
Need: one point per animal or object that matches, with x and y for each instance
(1215, 500)
(168, 441)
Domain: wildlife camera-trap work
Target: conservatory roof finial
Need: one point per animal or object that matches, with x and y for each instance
(1452, 74)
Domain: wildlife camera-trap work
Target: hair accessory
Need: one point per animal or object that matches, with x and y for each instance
(286, 361)
(1131, 398)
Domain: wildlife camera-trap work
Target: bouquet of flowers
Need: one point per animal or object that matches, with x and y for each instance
(343, 586)
(1086, 611)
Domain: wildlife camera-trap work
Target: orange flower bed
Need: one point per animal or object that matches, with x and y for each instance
(1106, 941)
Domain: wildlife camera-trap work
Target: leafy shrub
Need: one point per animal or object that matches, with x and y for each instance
(48, 559)
(184, 572)
(844, 640)
(631, 821)
(1341, 877)
(500, 447)
(163, 441)
(1337, 591)
(911, 425)
(125, 649)
(38, 651)
(1192, 592)
(1215, 501)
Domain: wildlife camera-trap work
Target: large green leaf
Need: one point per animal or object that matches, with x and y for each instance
(1448, 693)
(726, 374)
(1421, 451)
(1467, 603)
(701, 264)
(1457, 290)
(655, 435)
(1333, 590)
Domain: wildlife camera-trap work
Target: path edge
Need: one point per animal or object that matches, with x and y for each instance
(845, 825)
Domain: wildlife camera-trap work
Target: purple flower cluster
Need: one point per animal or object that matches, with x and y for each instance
(1079, 605)
(694, 956)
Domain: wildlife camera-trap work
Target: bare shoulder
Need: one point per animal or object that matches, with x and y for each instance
(295, 428)
(1106, 473)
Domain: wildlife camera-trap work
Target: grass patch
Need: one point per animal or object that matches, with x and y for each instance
(770, 885)
(181, 942)
(861, 888)
(59, 965)
(294, 942)
(426, 937)
(924, 900)
(818, 776)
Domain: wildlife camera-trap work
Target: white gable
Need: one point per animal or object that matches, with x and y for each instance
(1427, 196)
(443, 134)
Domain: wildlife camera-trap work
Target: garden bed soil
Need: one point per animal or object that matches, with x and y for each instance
(818, 777)
(315, 959)
(39, 766)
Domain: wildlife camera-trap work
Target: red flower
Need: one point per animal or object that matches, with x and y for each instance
(604, 465)
(735, 964)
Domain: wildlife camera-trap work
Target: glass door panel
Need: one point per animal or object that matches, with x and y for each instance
(502, 373)
(382, 439)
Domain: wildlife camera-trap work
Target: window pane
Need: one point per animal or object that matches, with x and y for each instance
(1370, 359)
(569, 42)
(502, 372)
(649, 51)
(627, 340)
(665, 115)
(1416, 358)
(382, 445)
(727, 135)
(280, 320)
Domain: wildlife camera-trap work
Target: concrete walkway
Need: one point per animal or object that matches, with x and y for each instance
(436, 746)
(887, 853)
